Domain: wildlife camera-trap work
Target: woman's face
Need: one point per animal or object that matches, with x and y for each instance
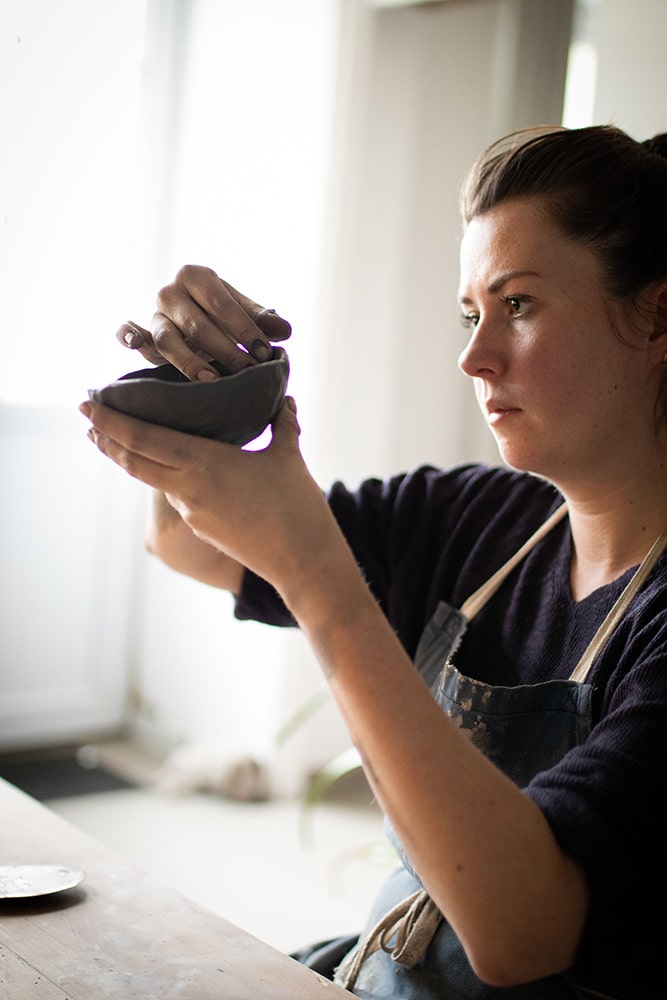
(564, 393)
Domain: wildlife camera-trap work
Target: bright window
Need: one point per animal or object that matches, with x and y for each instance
(582, 67)
(70, 75)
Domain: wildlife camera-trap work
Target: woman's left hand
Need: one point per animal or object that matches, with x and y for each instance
(261, 508)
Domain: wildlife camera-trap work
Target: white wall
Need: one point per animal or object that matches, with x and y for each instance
(632, 69)
(421, 92)
(68, 542)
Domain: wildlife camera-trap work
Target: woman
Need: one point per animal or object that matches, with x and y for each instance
(523, 813)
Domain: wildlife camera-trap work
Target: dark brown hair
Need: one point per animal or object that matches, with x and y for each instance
(602, 188)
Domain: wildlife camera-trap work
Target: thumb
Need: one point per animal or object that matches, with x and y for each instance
(285, 426)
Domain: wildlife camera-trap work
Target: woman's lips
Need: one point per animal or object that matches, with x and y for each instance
(496, 412)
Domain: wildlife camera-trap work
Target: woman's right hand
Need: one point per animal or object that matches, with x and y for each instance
(201, 318)
(261, 509)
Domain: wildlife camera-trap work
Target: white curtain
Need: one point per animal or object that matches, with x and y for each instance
(69, 89)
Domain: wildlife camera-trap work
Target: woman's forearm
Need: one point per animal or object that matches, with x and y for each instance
(170, 539)
(482, 848)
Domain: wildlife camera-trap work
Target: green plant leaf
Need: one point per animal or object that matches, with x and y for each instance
(302, 714)
(323, 780)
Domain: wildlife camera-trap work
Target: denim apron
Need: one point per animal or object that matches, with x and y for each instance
(408, 950)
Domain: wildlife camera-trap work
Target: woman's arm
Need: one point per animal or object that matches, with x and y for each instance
(483, 849)
(170, 539)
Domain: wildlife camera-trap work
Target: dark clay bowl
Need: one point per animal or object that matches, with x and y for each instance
(234, 409)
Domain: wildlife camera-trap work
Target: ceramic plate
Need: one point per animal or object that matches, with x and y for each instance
(23, 881)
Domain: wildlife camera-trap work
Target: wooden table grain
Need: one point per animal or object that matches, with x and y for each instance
(121, 935)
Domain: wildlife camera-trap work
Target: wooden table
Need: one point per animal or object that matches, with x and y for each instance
(119, 935)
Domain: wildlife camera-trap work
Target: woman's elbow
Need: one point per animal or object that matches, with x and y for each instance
(529, 950)
(506, 967)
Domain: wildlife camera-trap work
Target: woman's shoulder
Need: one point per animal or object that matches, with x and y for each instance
(465, 486)
(636, 654)
(445, 509)
(483, 499)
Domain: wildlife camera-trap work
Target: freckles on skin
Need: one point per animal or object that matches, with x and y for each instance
(556, 360)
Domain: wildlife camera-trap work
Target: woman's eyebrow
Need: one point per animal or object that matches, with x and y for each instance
(501, 281)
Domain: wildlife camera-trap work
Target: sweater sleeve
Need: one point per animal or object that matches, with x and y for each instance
(359, 515)
(603, 800)
(422, 537)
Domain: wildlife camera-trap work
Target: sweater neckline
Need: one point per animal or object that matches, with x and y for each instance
(602, 595)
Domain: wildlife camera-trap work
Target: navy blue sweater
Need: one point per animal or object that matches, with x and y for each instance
(435, 535)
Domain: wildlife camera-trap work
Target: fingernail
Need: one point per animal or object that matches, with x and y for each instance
(85, 409)
(206, 375)
(133, 338)
(260, 350)
(273, 325)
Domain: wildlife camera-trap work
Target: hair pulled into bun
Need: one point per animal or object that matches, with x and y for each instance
(657, 145)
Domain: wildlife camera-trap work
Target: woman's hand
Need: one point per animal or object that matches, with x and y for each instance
(200, 318)
(260, 508)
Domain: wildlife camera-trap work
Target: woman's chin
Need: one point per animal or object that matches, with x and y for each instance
(522, 458)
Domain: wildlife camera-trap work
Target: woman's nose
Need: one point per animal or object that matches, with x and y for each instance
(480, 358)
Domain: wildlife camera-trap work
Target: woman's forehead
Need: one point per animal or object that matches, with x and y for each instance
(517, 236)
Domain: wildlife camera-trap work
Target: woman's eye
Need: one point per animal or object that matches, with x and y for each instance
(469, 320)
(516, 303)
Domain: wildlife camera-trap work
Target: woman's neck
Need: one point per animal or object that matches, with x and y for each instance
(613, 532)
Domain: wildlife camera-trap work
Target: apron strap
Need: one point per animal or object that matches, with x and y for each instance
(474, 604)
(412, 923)
(478, 599)
(581, 671)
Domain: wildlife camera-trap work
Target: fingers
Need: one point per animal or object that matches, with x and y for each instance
(166, 341)
(200, 318)
(148, 472)
(273, 325)
(189, 340)
(213, 319)
(221, 310)
(155, 455)
(285, 426)
(169, 460)
(132, 335)
(137, 338)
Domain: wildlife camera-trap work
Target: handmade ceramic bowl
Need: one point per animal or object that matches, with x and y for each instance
(235, 409)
